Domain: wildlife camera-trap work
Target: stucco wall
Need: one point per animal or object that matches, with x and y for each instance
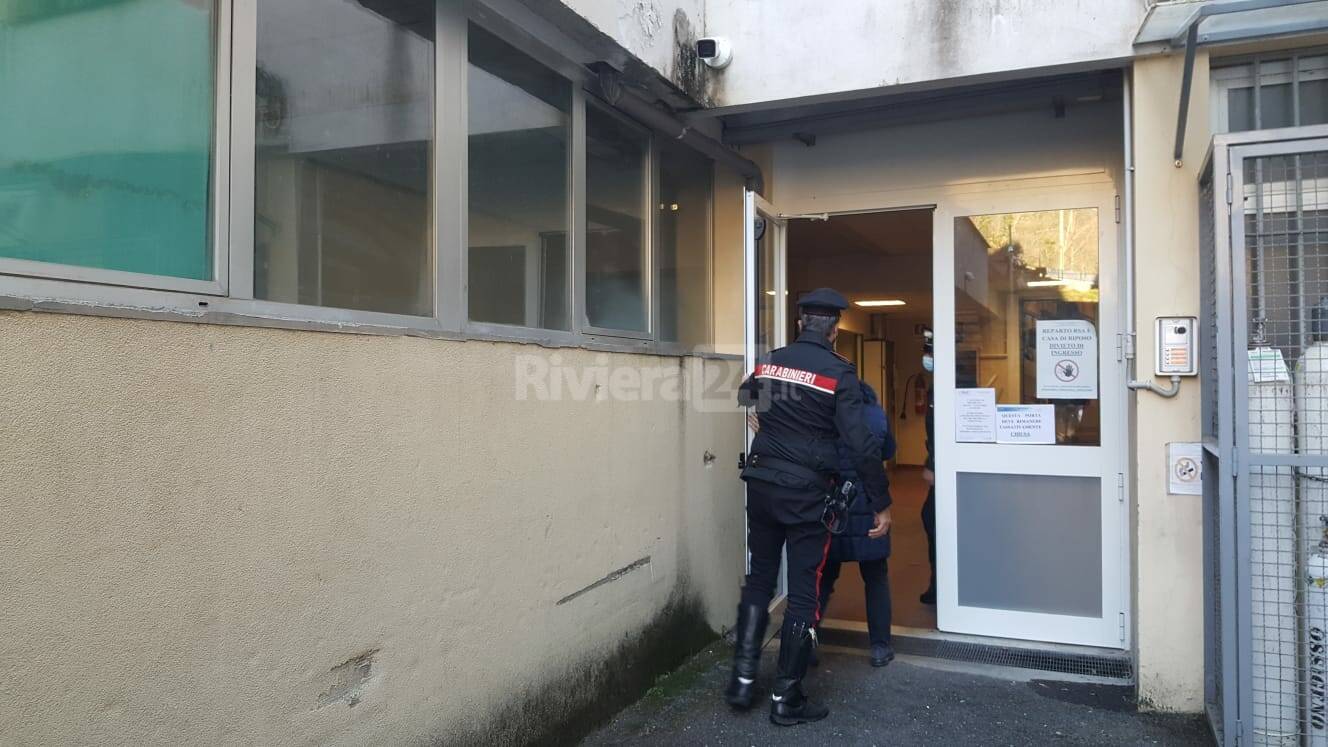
(1168, 540)
(204, 526)
(794, 48)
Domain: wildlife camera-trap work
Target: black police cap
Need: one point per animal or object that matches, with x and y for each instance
(827, 300)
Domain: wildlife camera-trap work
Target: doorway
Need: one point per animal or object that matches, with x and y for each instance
(882, 263)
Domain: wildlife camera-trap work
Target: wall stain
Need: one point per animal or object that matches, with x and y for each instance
(564, 708)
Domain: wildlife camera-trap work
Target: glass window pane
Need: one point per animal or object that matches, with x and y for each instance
(519, 127)
(686, 181)
(1031, 543)
(615, 223)
(1240, 110)
(1314, 102)
(1020, 277)
(107, 161)
(1275, 106)
(344, 133)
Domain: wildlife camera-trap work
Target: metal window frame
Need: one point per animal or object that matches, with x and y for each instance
(648, 193)
(219, 179)
(1248, 71)
(229, 299)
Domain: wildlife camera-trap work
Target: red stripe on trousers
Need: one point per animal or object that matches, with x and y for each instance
(825, 555)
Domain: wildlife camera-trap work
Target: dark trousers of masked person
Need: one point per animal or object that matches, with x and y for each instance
(781, 518)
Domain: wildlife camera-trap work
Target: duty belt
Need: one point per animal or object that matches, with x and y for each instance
(792, 468)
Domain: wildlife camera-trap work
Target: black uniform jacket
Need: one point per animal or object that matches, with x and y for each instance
(808, 399)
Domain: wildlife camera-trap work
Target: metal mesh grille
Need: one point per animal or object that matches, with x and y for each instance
(1111, 666)
(1283, 208)
(1208, 357)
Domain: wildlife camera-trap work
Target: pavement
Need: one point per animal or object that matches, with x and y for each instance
(913, 701)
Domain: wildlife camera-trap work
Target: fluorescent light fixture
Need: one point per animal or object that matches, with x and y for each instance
(880, 302)
(1076, 284)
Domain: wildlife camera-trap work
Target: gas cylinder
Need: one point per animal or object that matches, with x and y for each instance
(1312, 435)
(1271, 407)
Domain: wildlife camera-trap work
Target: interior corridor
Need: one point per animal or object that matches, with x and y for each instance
(909, 569)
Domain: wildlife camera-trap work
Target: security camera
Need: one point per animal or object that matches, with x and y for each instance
(715, 51)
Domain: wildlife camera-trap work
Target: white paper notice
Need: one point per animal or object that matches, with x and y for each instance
(975, 415)
(1066, 359)
(1025, 424)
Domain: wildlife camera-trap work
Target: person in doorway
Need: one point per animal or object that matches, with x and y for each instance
(929, 472)
(872, 554)
(807, 401)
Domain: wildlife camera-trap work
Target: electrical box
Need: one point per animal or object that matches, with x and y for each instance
(1177, 350)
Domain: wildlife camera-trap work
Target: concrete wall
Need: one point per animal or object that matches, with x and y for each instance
(220, 534)
(794, 48)
(658, 32)
(1168, 539)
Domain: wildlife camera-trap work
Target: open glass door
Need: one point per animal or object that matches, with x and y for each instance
(1030, 510)
(766, 303)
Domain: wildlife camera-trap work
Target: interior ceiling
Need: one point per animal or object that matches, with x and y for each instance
(890, 233)
(885, 255)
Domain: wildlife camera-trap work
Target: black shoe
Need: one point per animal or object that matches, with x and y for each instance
(788, 704)
(749, 634)
(882, 654)
(929, 596)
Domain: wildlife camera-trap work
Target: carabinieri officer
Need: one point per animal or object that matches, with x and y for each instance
(807, 400)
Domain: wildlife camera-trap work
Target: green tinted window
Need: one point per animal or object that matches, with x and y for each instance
(106, 133)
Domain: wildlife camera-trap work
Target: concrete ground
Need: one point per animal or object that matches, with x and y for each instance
(912, 701)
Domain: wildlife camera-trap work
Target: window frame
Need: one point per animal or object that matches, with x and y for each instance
(229, 298)
(649, 192)
(1247, 72)
(218, 196)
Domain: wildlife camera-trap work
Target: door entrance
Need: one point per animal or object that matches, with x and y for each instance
(1029, 417)
(765, 320)
(1020, 288)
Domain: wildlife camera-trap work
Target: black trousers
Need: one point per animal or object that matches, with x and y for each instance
(929, 526)
(876, 584)
(777, 519)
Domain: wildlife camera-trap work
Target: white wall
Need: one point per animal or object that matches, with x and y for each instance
(798, 48)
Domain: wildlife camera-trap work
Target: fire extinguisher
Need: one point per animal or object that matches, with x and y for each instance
(919, 389)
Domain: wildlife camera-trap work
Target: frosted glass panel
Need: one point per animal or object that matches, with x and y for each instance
(1031, 543)
(106, 134)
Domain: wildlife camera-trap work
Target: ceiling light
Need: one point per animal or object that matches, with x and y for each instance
(880, 302)
(1075, 284)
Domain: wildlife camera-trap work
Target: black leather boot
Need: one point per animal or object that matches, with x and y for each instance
(789, 705)
(749, 635)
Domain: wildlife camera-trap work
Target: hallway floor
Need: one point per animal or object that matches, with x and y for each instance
(909, 569)
(912, 701)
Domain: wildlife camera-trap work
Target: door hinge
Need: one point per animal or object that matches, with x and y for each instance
(1228, 187)
(1120, 346)
(1118, 208)
(1120, 486)
(1240, 729)
(1122, 627)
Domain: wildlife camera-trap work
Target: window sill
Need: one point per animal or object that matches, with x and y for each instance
(37, 295)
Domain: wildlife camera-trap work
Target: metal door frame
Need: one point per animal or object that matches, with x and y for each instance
(1228, 615)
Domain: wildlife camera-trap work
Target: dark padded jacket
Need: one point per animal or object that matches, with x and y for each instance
(808, 401)
(854, 544)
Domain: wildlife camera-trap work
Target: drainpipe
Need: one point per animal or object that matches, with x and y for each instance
(1128, 218)
(637, 107)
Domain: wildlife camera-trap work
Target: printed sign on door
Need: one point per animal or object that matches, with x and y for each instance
(1066, 359)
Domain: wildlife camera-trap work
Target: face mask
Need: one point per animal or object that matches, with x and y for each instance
(928, 364)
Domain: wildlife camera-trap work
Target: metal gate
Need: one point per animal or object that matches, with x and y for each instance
(1264, 276)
